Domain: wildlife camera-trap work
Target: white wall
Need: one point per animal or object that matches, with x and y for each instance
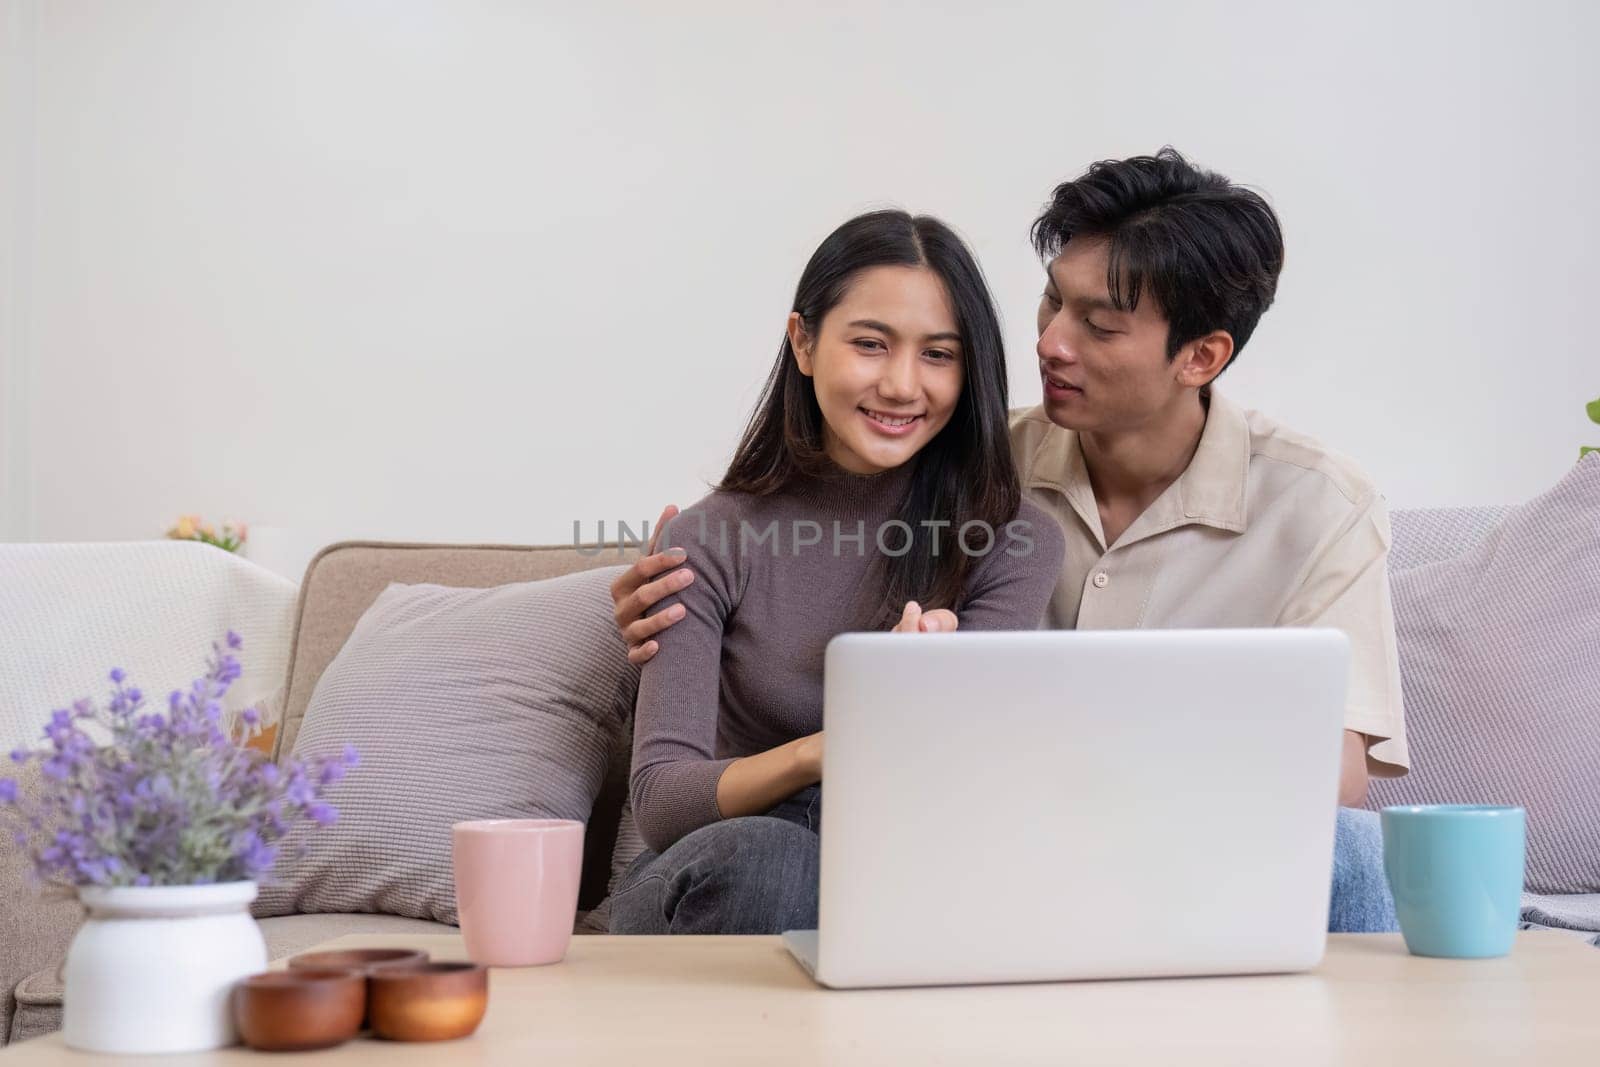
(16, 155)
(473, 270)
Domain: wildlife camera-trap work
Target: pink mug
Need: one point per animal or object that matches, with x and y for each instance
(517, 888)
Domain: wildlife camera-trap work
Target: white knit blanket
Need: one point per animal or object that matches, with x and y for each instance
(71, 612)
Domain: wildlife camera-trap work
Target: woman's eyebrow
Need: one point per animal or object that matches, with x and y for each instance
(874, 324)
(881, 327)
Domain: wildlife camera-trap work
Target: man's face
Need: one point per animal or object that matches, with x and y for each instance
(1102, 369)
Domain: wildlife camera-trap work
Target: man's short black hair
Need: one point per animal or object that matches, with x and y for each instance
(1208, 250)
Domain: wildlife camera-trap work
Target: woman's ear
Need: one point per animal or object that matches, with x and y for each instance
(800, 341)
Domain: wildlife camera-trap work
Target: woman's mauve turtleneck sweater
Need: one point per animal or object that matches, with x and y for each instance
(741, 673)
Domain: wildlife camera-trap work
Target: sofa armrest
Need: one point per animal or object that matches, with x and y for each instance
(35, 930)
(153, 608)
(73, 611)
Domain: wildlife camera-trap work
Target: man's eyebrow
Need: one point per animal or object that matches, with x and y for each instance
(1096, 303)
(883, 327)
(1088, 303)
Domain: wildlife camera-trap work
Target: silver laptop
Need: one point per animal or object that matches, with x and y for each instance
(1048, 805)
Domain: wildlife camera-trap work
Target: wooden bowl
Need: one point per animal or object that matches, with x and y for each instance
(427, 1001)
(291, 1011)
(356, 959)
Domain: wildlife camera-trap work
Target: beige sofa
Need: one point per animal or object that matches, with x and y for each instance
(340, 584)
(343, 581)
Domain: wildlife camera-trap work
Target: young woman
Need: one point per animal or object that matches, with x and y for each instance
(873, 489)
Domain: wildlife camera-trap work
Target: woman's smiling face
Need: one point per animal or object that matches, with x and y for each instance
(886, 363)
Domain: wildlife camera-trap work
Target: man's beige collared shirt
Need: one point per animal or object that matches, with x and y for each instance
(1265, 528)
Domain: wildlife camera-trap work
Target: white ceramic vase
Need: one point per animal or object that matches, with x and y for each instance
(152, 968)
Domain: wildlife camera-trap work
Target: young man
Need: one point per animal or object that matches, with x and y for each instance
(1180, 509)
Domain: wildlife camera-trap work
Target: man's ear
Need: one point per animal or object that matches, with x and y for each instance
(1201, 360)
(800, 341)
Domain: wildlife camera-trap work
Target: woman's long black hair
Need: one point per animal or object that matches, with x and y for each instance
(965, 473)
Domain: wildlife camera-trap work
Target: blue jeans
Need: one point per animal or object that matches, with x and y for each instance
(1361, 903)
(759, 875)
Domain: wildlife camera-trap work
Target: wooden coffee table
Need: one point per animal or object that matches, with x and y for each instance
(660, 1001)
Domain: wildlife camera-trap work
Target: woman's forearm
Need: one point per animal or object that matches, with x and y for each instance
(756, 784)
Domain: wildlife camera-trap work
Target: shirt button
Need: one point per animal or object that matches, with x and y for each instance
(1102, 580)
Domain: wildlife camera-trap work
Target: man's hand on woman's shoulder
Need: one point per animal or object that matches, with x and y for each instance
(657, 575)
(652, 578)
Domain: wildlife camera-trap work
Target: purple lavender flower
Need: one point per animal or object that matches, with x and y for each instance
(172, 800)
(255, 855)
(300, 790)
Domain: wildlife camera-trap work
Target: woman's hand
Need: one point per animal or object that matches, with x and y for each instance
(913, 620)
(638, 588)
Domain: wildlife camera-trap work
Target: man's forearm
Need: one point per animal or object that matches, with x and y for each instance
(1353, 770)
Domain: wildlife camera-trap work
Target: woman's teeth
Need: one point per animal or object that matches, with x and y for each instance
(890, 421)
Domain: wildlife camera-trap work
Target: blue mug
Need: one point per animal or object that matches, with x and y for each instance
(1456, 872)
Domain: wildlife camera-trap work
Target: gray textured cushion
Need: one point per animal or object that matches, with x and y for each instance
(1500, 658)
(629, 844)
(1427, 535)
(508, 702)
(1579, 911)
(34, 930)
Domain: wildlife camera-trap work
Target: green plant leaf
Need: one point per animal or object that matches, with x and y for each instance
(1594, 411)
(1585, 451)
